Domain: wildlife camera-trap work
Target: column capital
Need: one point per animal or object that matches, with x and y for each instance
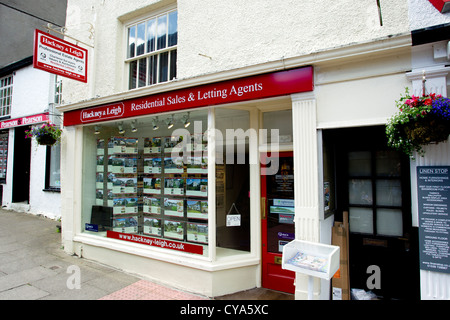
(303, 96)
(430, 72)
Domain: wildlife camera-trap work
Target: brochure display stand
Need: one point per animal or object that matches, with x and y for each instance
(150, 191)
(311, 258)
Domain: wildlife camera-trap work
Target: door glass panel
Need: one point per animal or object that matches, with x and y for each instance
(388, 163)
(389, 222)
(280, 201)
(389, 192)
(361, 220)
(359, 163)
(360, 191)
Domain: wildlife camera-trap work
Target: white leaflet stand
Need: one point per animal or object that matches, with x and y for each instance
(311, 258)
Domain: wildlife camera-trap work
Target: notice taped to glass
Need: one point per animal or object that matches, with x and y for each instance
(433, 190)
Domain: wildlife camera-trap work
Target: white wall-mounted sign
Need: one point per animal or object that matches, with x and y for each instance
(60, 57)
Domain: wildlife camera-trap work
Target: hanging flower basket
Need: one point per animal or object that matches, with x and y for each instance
(47, 134)
(420, 121)
(46, 140)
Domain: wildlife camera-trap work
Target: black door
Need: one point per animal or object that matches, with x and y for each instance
(21, 169)
(373, 185)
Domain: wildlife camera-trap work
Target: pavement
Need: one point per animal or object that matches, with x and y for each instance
(34, 266)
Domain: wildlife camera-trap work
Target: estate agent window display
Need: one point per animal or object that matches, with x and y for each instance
(141, 188)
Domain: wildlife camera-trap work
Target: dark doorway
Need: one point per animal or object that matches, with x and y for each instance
(21, 169)
(373, 185)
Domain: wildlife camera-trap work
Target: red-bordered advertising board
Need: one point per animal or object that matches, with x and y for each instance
(60, 57)
(242, 89)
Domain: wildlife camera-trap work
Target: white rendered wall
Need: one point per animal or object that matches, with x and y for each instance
(233, 34)
(423, 14)
(31, 91)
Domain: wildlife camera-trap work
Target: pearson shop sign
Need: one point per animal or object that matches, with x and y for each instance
(60, 57)
(242, 89)
(24, 121)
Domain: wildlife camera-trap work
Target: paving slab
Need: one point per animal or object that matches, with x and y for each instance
(33, 266)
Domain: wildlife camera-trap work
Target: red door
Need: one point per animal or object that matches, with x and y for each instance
(277, 221)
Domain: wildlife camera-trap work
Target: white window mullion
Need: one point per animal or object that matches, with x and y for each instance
(158, 56)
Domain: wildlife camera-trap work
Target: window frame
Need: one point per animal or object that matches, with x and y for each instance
(373, 178)
(4, 97)
(48, 159)
(146, 56)
(55, 117)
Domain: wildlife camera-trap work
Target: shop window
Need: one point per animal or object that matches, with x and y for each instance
(152, 50)
(53, 153)
(58, 90)
(52, 176)
(145, 179)
(6, 87)
(3, 155)
(232, 179)
(149, 177)
(281, 121)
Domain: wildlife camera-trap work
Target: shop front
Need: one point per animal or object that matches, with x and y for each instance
(193, 187)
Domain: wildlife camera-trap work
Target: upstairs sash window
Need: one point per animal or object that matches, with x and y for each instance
(152, 50)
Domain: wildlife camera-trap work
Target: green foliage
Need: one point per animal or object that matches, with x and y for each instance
(420, 121)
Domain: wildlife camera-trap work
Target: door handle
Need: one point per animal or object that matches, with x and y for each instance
(278, 260)
(263, 208)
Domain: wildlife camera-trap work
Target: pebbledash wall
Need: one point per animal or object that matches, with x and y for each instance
(359, 66)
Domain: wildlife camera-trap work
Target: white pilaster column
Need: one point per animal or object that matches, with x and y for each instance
(433, 285)
(71, 172)
(306, 179)
(435, 80)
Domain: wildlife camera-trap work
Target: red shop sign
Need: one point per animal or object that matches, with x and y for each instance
(442, 5)
(60, 57)
(37, 118)
(243, 89)
(156, 242)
